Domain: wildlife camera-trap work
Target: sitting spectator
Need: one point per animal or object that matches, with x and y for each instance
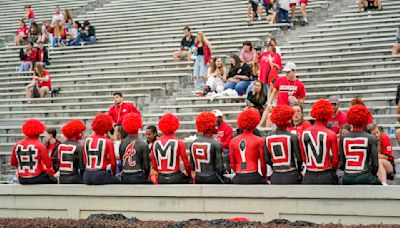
(46, 33)
(42, 80)
(59, 35)
(339, 117)
(255, 70)
(72, 34)
(21, 34)
(299, 124)
(69, 21)
(186, 44)
(274, 44)
(202, 48)
(33, 33)
(257, 97)
(356, 101)
(28, 57)
(224, 135)
(247, 53)
(216, 77)
(252, 10)
(238, 75)
(346, 128)
(52, 143)
(270, 64)
(88, 33)
(289, 89)
(30, 15)
(396, 46)
(57, 18)
(368, 4)
(42, 55)
(151, 135)
(283, 11)
(120, 109)
(385, 153)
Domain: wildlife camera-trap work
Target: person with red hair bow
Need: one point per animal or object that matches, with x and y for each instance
(168, 151)
(319, 147)
(206, 152)
(283, 149)
(98, 153)
(246, 151)
(134, 152)
(358, 150)
(30, 156)
(69, 153)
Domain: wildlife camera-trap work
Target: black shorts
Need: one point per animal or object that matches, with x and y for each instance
(208, 178)
(43, 178)
(360, 178)
(72, 179)
(254, 5)
(291, 177)
(322, 177)
(173, 178)
(268, 7)
(134, 178)
(99, 177)
(248, 178)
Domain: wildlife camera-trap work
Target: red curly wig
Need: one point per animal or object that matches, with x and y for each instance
(358, 116)
(248, 119)
(73, 128)
(33, 127)
(206, 122)
(168, 124)
(322, 110)
(281, 115)
(131, 123)
(102, 123)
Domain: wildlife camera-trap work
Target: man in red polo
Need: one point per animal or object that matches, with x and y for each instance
(120, 109)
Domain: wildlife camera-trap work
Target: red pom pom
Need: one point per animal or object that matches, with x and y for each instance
(281, 115)
(131, 123)
(358, 116)
(168, 124)
(205, 121)
(322, 110)
(73, 128)
(33, 127)
(102, 123)
(248, 119)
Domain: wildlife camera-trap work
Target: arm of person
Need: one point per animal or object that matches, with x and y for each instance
(242, 77)
(153, 160)
(296, 151)
(13, 159)
(81, 167)
(334, 150)
(46, 161)
(43, 79)
(272, 97)
(111, 156)
(184, 157)
(261, 148)
(268, 158)
(224, 76)
(219, 164)
(232, 157)
(226, 139)
(342, 164)
(374, 155)
(302, 94)
(146, 160)
(192, 164)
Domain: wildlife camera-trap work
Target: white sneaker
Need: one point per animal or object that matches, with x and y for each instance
(385, 184)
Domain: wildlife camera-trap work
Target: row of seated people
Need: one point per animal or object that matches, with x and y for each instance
(63, 30)
(317, 148)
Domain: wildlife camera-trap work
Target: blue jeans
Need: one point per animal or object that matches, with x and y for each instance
(240, 87)
(25, 67)
(199, 70)
(285, 13)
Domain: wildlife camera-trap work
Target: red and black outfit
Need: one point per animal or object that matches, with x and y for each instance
(359, 158)
(246, 152)
(98, 153)
(298, 129)
(267, 73)
(320, 152)
(283, 155)
(117, 112)
(33, 163)
(167, 152)
(70, 162)
(42, 56)
(52, 152)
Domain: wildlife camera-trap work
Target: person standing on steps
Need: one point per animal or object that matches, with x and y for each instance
(120, 109)
(202, 48)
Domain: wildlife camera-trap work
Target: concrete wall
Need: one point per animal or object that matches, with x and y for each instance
(321, 204)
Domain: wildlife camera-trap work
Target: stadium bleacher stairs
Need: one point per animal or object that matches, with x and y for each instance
(342, 52)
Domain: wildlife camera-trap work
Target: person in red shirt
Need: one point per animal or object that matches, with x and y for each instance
(168, 151)
(30, 156)
(30, 14)
(385, 153)
(339, 117)
(246, 151)
(270, 63)
(120, 109)
(283, 149)
(22, 33)
(98, 153)
(289, 89)
(42, 80)
(319, 147)
(28, 58)
(42, 55)
(224, 135)
(358, 150)
(52, 143)
(299, 124)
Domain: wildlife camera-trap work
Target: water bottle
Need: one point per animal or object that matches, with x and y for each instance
(15, 180)
(392, 131)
